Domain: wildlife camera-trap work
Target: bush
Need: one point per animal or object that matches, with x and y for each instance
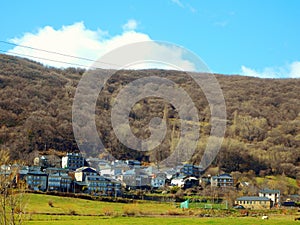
(108, 211)
(72, 212)
(50, 203)
(173, 212)
(130, 210)
(174, 189)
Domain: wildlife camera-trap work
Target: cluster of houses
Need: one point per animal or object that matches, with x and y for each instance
(74, 174)
(109, 178)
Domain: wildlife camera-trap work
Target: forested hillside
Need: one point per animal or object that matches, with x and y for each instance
(263, 127)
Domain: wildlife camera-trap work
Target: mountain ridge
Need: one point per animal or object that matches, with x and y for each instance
(263, 127)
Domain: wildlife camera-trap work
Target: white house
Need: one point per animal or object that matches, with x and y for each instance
(178, 181)
(274, 195)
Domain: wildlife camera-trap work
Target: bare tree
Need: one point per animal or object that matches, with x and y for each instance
(12, 190)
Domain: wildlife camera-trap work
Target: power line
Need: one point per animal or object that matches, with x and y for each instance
(47, 59)
(56, 53)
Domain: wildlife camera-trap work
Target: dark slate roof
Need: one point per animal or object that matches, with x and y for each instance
(252, 198)
(86, 169)
(269, 191)
(222, 176)
(37, 173)
(81, 183)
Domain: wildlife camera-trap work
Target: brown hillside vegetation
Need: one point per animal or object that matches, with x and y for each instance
(263, 127)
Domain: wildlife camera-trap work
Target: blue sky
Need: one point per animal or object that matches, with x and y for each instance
(255, 38)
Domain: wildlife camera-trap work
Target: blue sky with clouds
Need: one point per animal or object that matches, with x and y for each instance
(255, 38)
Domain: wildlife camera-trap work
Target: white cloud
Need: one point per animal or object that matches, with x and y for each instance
(77, 40)
(295, 70)
(223, 23)
(191, 8)
(184, 6)
(249, 72)
(130, 25)
(289, 71)
(165, 57)
(178, 2)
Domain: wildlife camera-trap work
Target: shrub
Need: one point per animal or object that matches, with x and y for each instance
(174, 189)
(108, 211)
(172, 212)
(130, 210)
(72, 212)
(50, 203)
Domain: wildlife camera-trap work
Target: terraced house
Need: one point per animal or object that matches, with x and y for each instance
(254, 202)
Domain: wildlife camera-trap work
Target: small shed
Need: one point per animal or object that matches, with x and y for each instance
(184, 205)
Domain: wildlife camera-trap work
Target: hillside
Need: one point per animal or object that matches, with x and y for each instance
(263, 127)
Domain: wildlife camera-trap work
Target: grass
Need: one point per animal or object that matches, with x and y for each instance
(72, 211)
(163, 220)
(275, 179)
(200, 205)
(39, 204)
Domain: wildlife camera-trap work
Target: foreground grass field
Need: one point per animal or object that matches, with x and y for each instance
(45, 209)
(79, 220)
(39, 204)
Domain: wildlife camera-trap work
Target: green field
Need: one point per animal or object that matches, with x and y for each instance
(72, 211)
(39, 204)
(163, 220)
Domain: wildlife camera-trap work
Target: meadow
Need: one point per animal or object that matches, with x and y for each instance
(162, 220)
(46, 209)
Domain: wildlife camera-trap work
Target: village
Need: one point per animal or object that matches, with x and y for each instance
(74, 174)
